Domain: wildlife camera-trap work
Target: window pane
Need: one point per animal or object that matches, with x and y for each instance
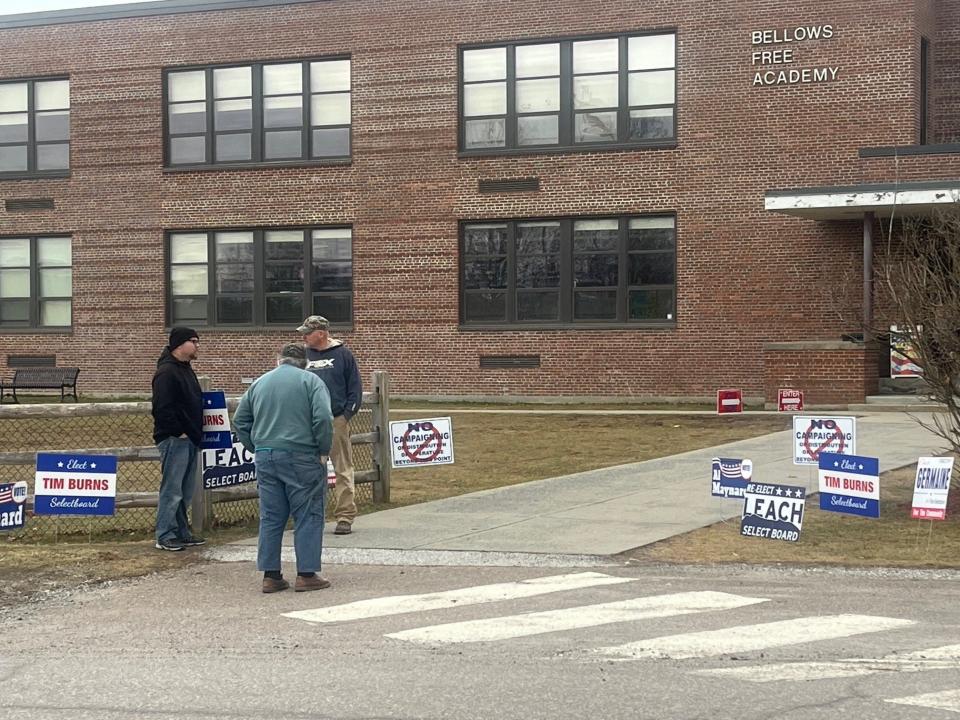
(15, 252)
(283, 144)
(189, 117)
(596, 127)
(231, 82)
(538, 305)
(485, 240)
(287, 309)
(538, 130)
(595, 270)
(188, 280)
(13, 127)
(485, 273)
(188, 248)
(233, 147)
(595, 91)
(15, 311)
(284, 278)
(595, 305)
(51, 95)
(232, 115)
(651, 304)
(56, 282)
(14, 283)
(651, 124)
(234, 246)
(55, 313)
(652, 234)
(592, 56)
(186, 86)
(485, 99)
(485, 64)
(335, 308)
(53, 157)
(538, 271)
(53, 252)
(538, 95)
(282, 80)
(188, 150)
(13, 97)
(283, 111)
(185, 309)
(330, 76)
(330, 109)
(53, 125)
(485, 133)
(13, 157)
(650, 52)
(332, 276)
(595, 234)
(235, 310)
(652, 88)
(538, 238)
(234, 278)
(331, 244)
(334, 142)
(284, 245)
(489, 307)
(538, 60)
(653, 269)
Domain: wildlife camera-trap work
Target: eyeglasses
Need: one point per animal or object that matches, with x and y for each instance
(195, 341)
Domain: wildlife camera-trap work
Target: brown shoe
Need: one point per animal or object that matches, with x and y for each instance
(270, 585)
(306, 584)
(343, 528)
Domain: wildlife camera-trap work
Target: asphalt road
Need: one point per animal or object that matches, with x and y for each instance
(483, 642)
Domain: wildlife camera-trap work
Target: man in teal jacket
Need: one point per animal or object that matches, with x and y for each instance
(284, 418)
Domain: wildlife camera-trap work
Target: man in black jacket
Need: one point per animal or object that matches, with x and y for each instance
(177, 431)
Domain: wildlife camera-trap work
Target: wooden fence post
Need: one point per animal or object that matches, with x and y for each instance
(381, 424)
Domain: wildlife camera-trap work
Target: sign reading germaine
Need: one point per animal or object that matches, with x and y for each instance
(774, 56)
(421, 442)
(931, 488)
(75, 484)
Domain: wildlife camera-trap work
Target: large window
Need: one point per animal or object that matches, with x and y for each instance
(278, 112)
(36, 282)
(34, 127)
(260, 277)
(601, 270)
(570, 93)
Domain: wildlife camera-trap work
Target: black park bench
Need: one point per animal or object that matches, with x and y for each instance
(63, 379)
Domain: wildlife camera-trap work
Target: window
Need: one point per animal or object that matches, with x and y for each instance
(278, 112)
(35, 127)
(260, 277)
(617, 270)
(570, 93)
(36, 282)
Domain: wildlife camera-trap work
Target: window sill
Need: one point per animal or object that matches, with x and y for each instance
(35, 176)
(21, 330)
(256, 165)
(654, 325)
(569, 149)
(892, 151)
(259, 329)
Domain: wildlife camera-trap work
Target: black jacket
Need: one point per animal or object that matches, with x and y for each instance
(177, 400)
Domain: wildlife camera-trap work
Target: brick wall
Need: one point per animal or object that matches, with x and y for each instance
(745, 277)
(828, 373)
(946, 56)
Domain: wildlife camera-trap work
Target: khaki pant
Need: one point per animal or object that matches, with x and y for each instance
(341, 455)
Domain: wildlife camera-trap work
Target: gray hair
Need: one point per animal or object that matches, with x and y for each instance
(294, 353)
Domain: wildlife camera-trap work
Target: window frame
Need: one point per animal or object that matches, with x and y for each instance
(35, 299)
(31, 142)
(257, 129)
(260, 263)
(567, 113)
(568, 289)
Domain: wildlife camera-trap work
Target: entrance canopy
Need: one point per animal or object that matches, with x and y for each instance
(854, 201)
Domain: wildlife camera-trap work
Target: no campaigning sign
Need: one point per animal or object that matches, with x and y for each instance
(815, 435)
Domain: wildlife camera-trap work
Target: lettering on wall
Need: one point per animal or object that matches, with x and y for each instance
(774, 55)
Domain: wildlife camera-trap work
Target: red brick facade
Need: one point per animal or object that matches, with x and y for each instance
(829, 373)
(745, 277)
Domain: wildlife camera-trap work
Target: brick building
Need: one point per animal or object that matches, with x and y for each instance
(487, 197)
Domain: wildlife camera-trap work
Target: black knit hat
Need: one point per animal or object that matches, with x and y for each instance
(180, 335)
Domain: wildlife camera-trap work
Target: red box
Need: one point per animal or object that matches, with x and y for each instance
(729, 401)
(789, 400)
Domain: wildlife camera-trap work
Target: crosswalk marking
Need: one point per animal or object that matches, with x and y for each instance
(948, 700)
(946, 657)
(744, 638)
(397, 604)
(535, 623)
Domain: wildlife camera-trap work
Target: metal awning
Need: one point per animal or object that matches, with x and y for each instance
(852, 202)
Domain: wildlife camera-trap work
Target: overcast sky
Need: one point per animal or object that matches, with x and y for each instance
(14, 7)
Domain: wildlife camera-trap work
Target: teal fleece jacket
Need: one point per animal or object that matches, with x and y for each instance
(285, 409)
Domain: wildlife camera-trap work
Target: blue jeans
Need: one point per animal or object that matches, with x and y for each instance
(178, 464)
(290, 483)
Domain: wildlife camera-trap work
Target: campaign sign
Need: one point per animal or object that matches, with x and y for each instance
(850, 484)
(75, 484)
(223, 467)
(729, 401)
(815, 435)
(421, 442)
(789, 400)
(13, 498)
(729, 477)
(773, 512)
(931, 488)
(216, 421)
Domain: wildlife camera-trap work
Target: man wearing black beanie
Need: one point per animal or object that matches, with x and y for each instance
(177, 431)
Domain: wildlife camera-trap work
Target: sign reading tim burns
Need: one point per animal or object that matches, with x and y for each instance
(75, 484)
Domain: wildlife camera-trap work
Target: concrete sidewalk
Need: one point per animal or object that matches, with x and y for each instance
(609, 511)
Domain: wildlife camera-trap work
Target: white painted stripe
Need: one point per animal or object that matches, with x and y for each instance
(948, 700)
(745, 638)
(536, 623)
(397, 604)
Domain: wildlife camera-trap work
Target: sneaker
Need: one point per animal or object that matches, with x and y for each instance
(271, 585)
(305, 584)
(343, 528)
(173, 545)
(193, 540)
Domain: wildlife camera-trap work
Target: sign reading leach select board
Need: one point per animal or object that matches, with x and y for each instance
(421, 442)
(75, 484)
(226, 467)
(814, 435)
(931, 488)
(773, 512)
